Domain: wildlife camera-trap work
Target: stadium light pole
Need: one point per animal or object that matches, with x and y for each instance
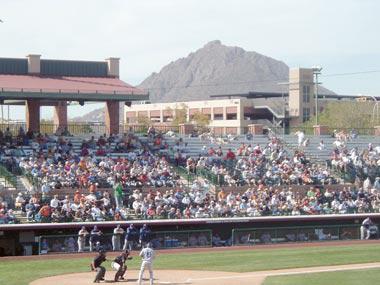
(316, 71)
(284, 104)
(375, 109)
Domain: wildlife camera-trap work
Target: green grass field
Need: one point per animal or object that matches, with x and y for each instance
(19, 272)
(353, 277)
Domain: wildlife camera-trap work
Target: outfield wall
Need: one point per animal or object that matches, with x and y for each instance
(14, 238)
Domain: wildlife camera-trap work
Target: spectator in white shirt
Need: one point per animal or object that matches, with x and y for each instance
(54, 203)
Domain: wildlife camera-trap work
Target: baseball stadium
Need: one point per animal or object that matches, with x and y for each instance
(271, 186)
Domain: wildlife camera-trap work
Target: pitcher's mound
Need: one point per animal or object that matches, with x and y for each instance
(168, 277)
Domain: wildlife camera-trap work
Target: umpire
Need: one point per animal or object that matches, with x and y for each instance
(97, 265)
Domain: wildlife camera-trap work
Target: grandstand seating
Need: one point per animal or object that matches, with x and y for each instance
(192, 147)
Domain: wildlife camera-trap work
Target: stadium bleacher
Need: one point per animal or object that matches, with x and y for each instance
(198, 189)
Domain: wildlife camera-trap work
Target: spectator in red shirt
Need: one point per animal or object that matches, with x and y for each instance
(101, 141)
(211, 151)
(230, 155)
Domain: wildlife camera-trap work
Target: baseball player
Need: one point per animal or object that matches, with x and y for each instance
(97, 265)
(147, 254)
(144, 235)
(130, 237)
(364, 229)
(120, 265)
(118, 232)
(95, 237)
(82, 238)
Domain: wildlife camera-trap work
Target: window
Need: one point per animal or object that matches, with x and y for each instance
(249, 114)
(232, 116)
(305, 114)
(218, 117)
(306, 93)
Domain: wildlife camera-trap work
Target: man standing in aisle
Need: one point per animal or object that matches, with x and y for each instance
(118, 193)
(147, 254)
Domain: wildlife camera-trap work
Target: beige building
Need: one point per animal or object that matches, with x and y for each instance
(234, 115)
(225, 115)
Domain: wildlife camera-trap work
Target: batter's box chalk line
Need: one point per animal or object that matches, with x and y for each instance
(173, 283)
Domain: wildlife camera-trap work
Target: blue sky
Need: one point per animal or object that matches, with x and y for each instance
(341, 36)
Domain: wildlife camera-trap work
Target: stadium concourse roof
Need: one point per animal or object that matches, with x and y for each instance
(266, 95)
(22, 87)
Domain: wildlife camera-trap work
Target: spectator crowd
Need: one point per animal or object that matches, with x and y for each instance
(271, 165)
(119, 178)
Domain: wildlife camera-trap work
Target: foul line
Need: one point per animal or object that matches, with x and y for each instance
(268, 273)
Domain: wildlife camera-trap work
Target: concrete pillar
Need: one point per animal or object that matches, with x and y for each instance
(32, 112)
(60, 116)
(113, 67)
(377, 131)
(112, 117)
(186, 129)
(321, 130)
(33, 115)
(34, 63)
(256, 129)
(161, 115)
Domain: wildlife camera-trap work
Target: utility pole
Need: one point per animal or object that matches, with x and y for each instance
(284, 105)
(316, 72)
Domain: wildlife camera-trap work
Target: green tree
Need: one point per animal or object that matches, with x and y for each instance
(347, 115)
(201, 120)
(180, 115)
(144, 123)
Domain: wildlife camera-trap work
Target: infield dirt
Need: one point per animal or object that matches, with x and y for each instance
(198, 277)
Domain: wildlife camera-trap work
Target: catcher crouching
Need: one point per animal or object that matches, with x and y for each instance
(120, 265)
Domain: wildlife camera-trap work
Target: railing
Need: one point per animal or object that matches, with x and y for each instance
(12, 126)
(9, 179)
(159, 240)
(99, 128)
(35, 181)
(310, 130)
(255, 236)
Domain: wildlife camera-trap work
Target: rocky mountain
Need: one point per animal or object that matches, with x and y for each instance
(215, 69)
(96, 115)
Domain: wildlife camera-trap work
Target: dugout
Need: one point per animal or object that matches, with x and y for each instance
(20, 239)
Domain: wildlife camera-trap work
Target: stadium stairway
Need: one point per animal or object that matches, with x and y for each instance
(320, 156)
(23, 185)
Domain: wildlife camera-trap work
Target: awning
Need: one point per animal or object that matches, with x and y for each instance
(167, 113)
(206, 111)
(218, 110)
(193, 111)
(142, 114)
(13, 87)
(155, 113)
(231, 110)
(248, 110)
(131, 114)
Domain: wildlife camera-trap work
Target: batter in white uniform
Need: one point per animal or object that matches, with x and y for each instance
(147, 254)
